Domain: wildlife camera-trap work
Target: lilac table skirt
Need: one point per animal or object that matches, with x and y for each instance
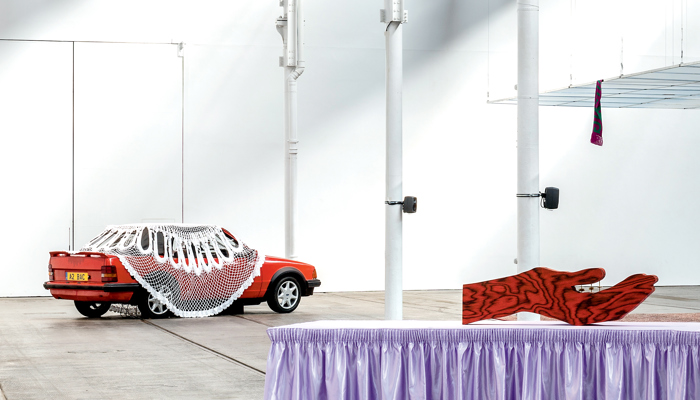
(498, 360)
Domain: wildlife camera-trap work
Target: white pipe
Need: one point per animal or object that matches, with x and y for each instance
(290, 166)
(300, 35)
(393, 302)
(528, 140)
(291, 28)
(291, 33)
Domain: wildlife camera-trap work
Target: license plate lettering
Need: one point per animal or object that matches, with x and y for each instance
(77, 276)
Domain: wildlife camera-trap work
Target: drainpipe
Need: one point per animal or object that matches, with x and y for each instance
(291, 28)
(394, 16)
(528, 141)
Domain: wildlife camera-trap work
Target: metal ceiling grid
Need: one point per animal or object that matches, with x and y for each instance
(675, 87)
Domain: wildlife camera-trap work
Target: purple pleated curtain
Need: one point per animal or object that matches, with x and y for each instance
(597, 135)
(614, 361)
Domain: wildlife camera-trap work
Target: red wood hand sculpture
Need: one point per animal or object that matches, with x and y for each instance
(552, 293)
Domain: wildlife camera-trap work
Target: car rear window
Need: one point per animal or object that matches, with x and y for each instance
(145, 240)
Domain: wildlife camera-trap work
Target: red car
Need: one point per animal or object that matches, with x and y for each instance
(96, 280)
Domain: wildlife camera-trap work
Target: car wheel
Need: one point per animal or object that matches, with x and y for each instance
(151, 307)
(285, 296)
(92, 309)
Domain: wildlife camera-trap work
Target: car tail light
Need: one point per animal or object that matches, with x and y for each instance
(50, 272)
(109, 273)
(313, 274)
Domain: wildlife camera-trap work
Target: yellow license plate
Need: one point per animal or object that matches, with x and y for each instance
(77, 276)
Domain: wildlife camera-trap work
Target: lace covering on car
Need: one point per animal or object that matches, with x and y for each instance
(195, 270)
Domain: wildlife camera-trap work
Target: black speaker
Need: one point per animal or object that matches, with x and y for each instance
(410, 204)
(550, 198)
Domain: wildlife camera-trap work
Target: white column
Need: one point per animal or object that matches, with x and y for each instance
(393, 308)
(290, 165)
(528, 140)
(291, 27)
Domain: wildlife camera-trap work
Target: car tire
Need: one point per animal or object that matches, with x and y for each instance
(285, 295)
(152, 308)
(92, 309)
(235, 308)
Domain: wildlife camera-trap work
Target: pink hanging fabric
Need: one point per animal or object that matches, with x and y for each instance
(597, 135)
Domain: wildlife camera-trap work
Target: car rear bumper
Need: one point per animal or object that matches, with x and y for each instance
(107, 287)
(109, 292)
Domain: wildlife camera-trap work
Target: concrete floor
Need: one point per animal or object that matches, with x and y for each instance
(48, 350)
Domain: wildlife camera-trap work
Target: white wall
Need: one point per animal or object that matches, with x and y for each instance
(627, 206)
(128, 136)
(35, 161)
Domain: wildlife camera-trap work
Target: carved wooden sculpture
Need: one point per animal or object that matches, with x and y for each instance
(552, 293)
